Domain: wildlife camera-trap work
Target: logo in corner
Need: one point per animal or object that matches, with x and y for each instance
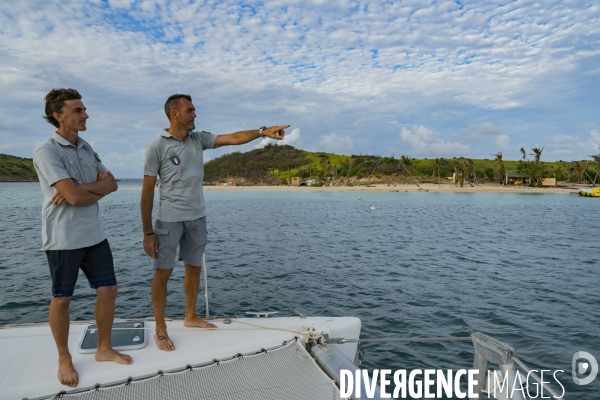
(175, 160)
(581, 367)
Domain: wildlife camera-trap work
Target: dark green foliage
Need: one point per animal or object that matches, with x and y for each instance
(16, 169)
(254, 165)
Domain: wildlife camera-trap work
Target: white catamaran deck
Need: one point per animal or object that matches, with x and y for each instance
(29, 357)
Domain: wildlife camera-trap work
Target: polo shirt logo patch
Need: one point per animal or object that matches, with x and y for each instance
(97, 157)
(174, 158)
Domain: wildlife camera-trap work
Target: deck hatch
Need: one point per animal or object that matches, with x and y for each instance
(124, 336)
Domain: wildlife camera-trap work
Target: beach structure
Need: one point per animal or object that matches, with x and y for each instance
(513, 177)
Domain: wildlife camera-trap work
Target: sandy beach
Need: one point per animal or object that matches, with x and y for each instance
(422, 187)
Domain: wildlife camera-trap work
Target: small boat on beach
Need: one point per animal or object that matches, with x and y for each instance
(593, 192)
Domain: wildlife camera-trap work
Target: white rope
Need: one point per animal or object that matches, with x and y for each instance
(306, 332)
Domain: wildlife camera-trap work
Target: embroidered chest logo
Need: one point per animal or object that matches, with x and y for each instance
(174, 158)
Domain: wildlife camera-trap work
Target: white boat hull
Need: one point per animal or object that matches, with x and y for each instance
(29, 359)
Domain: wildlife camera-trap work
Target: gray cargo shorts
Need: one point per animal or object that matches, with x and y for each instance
(190, 236)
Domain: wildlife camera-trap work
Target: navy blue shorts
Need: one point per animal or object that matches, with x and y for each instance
(95, 261)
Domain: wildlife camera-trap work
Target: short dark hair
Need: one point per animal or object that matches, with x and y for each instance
(55, 102)
(173, 102)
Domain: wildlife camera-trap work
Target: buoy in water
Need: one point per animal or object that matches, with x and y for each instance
(372, 208)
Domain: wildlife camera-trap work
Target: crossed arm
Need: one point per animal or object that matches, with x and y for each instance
(86, 193)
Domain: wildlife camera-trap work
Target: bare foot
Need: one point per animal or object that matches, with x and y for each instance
(66, 372)
(197, 323)
(113, 355)
(163, 342)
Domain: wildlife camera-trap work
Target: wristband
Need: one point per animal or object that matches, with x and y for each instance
(151, 233)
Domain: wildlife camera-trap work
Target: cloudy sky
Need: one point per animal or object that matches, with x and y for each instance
(420, 78)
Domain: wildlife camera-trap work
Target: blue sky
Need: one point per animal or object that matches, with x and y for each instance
(420, 78)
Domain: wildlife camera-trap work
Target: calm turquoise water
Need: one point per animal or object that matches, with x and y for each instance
(523, 268)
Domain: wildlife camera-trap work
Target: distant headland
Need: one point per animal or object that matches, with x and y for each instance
(17, 169)
(278, 165)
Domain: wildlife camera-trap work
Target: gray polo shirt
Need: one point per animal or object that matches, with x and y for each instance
(180, 167)
(67, 227)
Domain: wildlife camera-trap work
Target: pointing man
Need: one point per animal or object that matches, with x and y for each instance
(176, 157)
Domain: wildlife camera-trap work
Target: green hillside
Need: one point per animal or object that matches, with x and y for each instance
(14, 169)
(275, 164)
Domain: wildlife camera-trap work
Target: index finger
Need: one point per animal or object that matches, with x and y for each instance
(284, 127)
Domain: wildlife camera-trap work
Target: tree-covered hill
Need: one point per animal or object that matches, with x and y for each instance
(276, 164)
(14, 169)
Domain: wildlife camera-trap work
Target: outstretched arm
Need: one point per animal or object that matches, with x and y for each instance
(242, 137)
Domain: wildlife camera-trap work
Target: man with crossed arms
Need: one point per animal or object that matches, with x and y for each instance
(73, 180)
(176, 157)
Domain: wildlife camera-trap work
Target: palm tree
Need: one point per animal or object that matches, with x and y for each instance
(500, 166)
(596, 159)
(472, 170)
(523, 153)
(328, 168)
(468, 170)
(436, 168)
(405, 161)
(537, 153)
(581, 168)
(572, 169)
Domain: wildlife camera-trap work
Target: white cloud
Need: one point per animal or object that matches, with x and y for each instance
(481, 132)
(574, 146)
(423, 142)
(334, 143)
(262, 143)
(595, 133)
(486, 132)
(291, 138)
(121, 3)
(123, 164)
(329, 66)
(503, 142)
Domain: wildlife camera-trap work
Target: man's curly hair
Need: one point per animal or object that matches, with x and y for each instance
(55, 101)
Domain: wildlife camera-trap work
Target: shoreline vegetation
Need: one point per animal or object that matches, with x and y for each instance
(423, 188)
(16, 169)
(276, 165)
(283, 167)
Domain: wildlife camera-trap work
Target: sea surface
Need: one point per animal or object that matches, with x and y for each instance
(523, 268)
